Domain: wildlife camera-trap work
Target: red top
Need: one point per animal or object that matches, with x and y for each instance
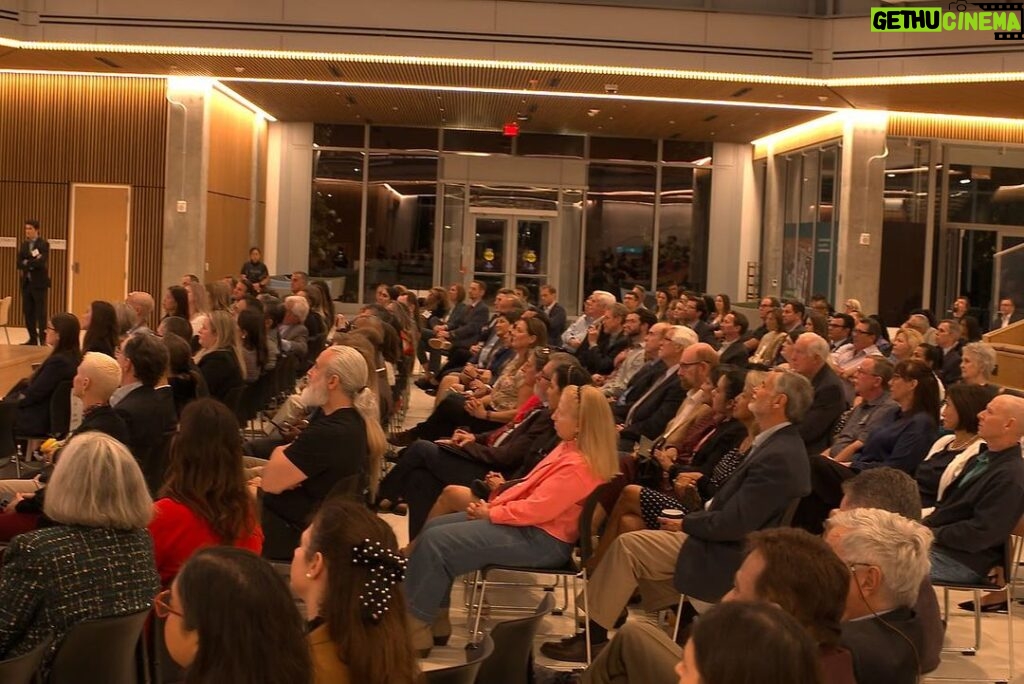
(178, 532)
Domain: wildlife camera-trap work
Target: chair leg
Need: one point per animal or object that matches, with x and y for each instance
(1009, 627)
(679, 615)
(475, 638)
(977, 619)
(7, 334)
(586, 609)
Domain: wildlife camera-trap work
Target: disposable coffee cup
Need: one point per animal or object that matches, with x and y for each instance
(672, 514)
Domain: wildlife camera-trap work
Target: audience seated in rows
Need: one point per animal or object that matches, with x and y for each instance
(626, 364)
(33, 395)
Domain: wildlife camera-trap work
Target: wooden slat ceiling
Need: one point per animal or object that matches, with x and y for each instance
(337, 97)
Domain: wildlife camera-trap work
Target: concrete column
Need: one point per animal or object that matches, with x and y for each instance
(771, 250)
(859, 255)
(735, 220)
(289, 196)
(184, 244)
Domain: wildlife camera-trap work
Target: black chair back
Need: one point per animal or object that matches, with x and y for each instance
(22, 669)
(466, 672)
(8, 412)
(100, 651)
(233, 400)
(512, 661)
(60, 409)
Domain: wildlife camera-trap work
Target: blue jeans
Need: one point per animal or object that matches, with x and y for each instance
(454, 545)
(947, 570)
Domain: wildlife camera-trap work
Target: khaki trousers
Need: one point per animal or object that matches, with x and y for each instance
(639, 652)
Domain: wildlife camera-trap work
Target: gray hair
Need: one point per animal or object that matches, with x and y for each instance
(984, 354)
(298, 305)
(816, 345)
(897, 546)
(681, 335)
(885, 488)
(798, 392)
(605, 299)
(97, 483)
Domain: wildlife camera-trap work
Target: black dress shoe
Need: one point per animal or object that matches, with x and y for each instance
(425, 384)
(1000, 607)
(572, 649)
(402, 439)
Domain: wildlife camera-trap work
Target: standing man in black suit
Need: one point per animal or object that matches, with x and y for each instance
(33, 256)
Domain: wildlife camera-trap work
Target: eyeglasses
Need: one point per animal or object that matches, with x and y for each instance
(162, 605)
(858, 331)
(836, 325)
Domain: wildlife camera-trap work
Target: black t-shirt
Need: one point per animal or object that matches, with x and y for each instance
(332, 447)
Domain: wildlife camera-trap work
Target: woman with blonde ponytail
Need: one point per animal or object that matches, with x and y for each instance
(339, 453)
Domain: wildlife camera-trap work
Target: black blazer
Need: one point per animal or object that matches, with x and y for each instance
(150, 415)
(466, 334)
(754, 498)
(557, 319)
(600, 358)
(637, 385)
(950, 372)
(828, 405)
(736, 354)
(33, 417)
(34, 273)
(221, 372)
(653, 413)
(534, 433)
(879, 655)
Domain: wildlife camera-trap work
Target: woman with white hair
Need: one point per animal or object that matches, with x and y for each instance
(339, 453)
(977, 363)
(96, 562)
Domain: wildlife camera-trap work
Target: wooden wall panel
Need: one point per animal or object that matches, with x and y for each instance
(227, 234)
(913, 125)
(231, 147)
(57, 130)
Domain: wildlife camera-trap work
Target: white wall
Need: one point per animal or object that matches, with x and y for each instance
(289, 196)
(735, 235)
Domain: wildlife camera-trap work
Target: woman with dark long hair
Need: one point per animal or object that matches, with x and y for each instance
(253, 338)
(231, 618)
(175, 302)
(101, 328)
(205, 500)
(33, 396)
(348, 572)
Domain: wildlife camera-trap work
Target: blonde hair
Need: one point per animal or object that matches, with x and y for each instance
(103, 372)
(97, 483)
(225, 329)
(349, 366)
(219, 298)
(912, 336)
(198, 305)
(596, 435)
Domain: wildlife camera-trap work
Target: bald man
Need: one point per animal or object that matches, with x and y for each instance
(142, 305)
(983, 504)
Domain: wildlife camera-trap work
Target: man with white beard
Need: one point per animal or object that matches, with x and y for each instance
(334, 447)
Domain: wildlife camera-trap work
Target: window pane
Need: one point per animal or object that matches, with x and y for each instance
(545, 144)
(400, 201)
(904, 222)
(334, 236)
(620, 226)
(337, 135)
(624, 148)
(457, 140)
(682, 248)
(401, 138)
(685, 151)
(986, 194)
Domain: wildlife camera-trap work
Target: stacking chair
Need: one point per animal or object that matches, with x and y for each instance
(5, 313)
(1011, 564)
(101, 651)
(60, 418)
(575, 568)
(512, 661)
(466, 673)
(22, 669)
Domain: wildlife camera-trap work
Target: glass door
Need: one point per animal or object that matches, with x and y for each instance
(511, 250)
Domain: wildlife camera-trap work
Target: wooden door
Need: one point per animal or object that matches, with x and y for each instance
(98, 244)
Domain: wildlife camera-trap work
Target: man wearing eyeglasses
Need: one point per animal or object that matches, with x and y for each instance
(871, 382)
(847, 358)
(840, 331)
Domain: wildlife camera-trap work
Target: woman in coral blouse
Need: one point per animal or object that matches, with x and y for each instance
(533, 523)
(205, 500)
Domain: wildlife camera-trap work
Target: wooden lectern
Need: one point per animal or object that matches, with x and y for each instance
(1009, 346)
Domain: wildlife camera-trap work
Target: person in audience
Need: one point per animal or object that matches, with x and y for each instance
(903, 442)
(970, 330)
(300, 475)
(229, 617)
(292, 332)
(703, 550)
(220, 357)
(630, 360)
(770, 342)
(348, 573)
(981, 506)
(950, 453)
(816, 323)
(947, 338)
(1007, 314)
(647, 413)
(931, 356)
(173, 325)
(922, 322)
(639, 506)
(425, 468)
(777, 650)
(141, 305)
(594, 308)
(185, 380)
(733, 329)
(819, 304)
(790, 568)
(694, 315)
(316, 320)
(299, 281)
(977, 363)
(533, 523)
(555, 312)
(903, 344)
(253, 340)
(175, 302)
(204, 500)
(33, 396)
(876, 407)
(463, 328)
(327, 303)
(764, 306)
(147, 410)
(661, 304)
(722, 307)
(485, 364)
(436, 310)
(96, 562)
(887, 556)
(197, 303)
(895, 491)
(605, 341)
(883, 342)
(847, 358)
(809, 358)
(254, 271)
(852, 307)
(100, 326)
(793, 312)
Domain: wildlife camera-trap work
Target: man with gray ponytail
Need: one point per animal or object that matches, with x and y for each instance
(338, 454)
